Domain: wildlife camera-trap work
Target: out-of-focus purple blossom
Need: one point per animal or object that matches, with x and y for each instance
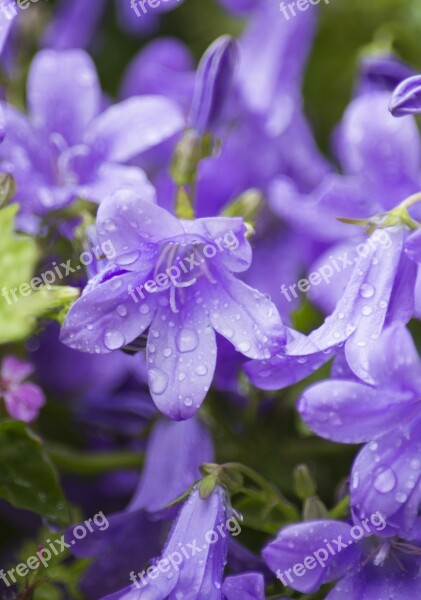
(184, 313)
(7, 18)
(239, 6)
(386, 475)
(163, 67)
(200, 575)
(214, 80)
(23, 400)
(381, 73)
(406, 99)
(365, 567)
(82, 149)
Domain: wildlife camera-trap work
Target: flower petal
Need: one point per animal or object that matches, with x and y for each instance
(406, 99)
(247, 318)
(332, 409)
(24, 402)
(296, 543)
(133, 126)
(248, 586)
(63, 93)
(106, 317)
(181, 355)
(14, 370)
(112, 178)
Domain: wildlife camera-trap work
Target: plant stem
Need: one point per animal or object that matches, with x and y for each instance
(79, 463)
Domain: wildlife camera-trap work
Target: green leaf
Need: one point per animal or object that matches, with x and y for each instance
(27, 477)
(20, 309)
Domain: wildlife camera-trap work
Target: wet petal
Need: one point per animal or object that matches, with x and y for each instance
(181, 355)
(107, 318)
(248, 586)
(297, 543)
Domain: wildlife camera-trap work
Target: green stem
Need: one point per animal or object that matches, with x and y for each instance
(410, 201)
(282, 504)
(79, 463)
(341, 509)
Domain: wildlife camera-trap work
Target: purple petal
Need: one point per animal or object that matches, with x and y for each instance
(164, 67)
(24, 402)
(181, 354)
(14, 370)
(386, 153)
(406, 99)
(74, 23)
(63, 93)
(6, 22)
(413, 246)
(135, 226)
(372, 582)
(249, 586)
(133, 126)
(245, 317)
(381, 72)
(386, 477)
(112, 178)
(106, 318)
(296, 543)
(214, 81)
(174, 454)
(332, 408)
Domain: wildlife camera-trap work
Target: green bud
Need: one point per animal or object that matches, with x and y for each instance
(207, 486)
(183, 206)
(304, 484)
(314, 509)
(247, 206)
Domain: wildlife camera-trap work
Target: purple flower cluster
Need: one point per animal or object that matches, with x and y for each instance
(215, 199)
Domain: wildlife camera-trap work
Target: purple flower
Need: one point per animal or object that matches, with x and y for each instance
(83, 149)
(381, 72)
(386, 475)
(7, 17)
(22, 400)
(204, 526)
(174, 454)
(248, 586)
(406, 99)
(365, 563)
(214, 80)
(164, 281)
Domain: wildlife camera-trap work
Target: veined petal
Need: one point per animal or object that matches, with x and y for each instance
(106, 317)
(133, 126)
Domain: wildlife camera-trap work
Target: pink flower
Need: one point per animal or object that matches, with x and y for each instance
(22, 400)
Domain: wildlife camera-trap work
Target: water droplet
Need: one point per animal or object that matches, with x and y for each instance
(187, 340)
(366, 310)
(158, 381)
(121, 310)
(401, 497)
(113, 339)
(188, 402)
(244, 346)
(201, 370)
(415, 464)
(181, 376)
(144, 309)
(129, 258)
(385, 481)
(109, 225)
(167, 352)
(367, 290)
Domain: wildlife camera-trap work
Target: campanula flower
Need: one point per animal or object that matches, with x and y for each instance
(406, 99)
(163, 281)
(365, 563)
(83, 149)
(23, 400)
(386, 475)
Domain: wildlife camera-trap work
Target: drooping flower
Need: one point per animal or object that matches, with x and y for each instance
(84, 150)
(365, 563)
(193, 559)
(406, 99)
(164, 281)
(23, 400)
(386, 475)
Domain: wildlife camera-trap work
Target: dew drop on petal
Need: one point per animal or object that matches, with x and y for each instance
(187, 340)
(113, 339)
(121, 310)
(385, 481)
(367, 290)
(158, 381)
